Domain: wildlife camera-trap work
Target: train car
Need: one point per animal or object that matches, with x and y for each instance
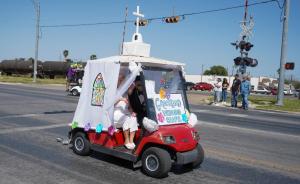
(47, 69)
(19, 66)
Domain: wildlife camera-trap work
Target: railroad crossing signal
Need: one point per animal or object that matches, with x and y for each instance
(245, 61)
(243, 45)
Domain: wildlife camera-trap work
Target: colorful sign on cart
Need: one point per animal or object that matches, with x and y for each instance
(169, 110)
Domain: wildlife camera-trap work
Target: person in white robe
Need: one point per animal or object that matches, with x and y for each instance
(125, 118)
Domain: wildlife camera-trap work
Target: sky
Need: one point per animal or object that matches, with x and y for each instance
(196, 40)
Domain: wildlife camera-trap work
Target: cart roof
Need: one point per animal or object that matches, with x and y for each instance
(146, 61)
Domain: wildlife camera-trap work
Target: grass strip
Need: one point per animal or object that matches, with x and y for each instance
(29, 80)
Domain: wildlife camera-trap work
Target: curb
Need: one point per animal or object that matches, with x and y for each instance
(255, 109)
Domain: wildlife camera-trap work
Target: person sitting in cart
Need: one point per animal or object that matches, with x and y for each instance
(125, 118)
(70, 76)
(137, 100)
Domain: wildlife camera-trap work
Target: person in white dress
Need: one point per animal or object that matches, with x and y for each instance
(217, 91)
(125, 118)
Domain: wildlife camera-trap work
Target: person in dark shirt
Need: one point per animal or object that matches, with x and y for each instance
(235, 90)
(224, 90)
(137, 100)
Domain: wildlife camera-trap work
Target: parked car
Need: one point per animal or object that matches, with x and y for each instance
(203, 86)
(288, 92)
(274, 91)
(261, 90)
(189, 85)
(285, 92)
(297, 92)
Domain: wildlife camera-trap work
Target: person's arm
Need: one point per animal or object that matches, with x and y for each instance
(217, 85)
(249, 87)
(240, 84)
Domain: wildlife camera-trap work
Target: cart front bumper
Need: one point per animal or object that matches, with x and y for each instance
(186, 157)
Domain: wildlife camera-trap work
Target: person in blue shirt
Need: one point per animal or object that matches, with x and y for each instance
(245, 89)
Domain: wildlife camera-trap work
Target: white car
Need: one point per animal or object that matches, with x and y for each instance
(75, 91)
(288, 92)
(261, 90)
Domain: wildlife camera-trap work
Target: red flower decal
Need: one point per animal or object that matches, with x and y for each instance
(160, 117)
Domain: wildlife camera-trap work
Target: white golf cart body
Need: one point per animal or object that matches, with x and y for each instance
(99, 90)
(75, 90)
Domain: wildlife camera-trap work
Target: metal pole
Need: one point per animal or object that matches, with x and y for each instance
(37, 8)
(201, 72)
(124, 30)
(283, 53)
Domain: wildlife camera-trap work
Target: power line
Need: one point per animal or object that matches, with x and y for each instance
(159, 18)
(218, 10)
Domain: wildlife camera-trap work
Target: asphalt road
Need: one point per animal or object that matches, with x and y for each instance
(240, 146)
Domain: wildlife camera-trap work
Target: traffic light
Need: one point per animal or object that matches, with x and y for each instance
(289, 66)
(254, 63)
(142, 22)
(243, 45)
(237, 61)
(173, 19)
(248, 46)
(250, 62)
(246, 60)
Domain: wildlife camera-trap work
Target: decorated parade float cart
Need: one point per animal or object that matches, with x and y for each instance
(166, 133)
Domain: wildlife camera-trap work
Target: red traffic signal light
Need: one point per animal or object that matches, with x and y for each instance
(248, 46)
(173, 19)
(237, 60)
(243, 45)
(246, 60)
(142, 22)
(289, 66)
(254, 63)
(250, 62)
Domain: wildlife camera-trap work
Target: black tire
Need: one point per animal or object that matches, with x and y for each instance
(200, 157)
(156, 162)
(75, 92)
(81, 144)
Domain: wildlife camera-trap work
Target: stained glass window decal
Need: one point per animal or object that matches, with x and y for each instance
(98, 91)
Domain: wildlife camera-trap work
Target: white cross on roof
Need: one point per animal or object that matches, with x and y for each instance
(138, 15)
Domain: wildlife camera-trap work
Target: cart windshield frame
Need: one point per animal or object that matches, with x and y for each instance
(165, 94)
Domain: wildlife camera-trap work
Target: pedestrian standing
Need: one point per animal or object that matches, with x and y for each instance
(69, 77)
(217, 91)
(235, 90)
(225, 85)
(245, 91)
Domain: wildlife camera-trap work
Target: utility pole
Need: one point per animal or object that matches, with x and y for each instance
(37, 10)
(201, 71)
(124, 30)
(283, 52)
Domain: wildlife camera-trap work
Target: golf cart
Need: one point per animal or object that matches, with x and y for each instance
(165, 136)
(76, 83)
(75, 90)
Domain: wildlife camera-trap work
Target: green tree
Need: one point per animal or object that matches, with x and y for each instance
(296, 84)
(216, 70)
(287, 81)
(93, 57)
(31, 60)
